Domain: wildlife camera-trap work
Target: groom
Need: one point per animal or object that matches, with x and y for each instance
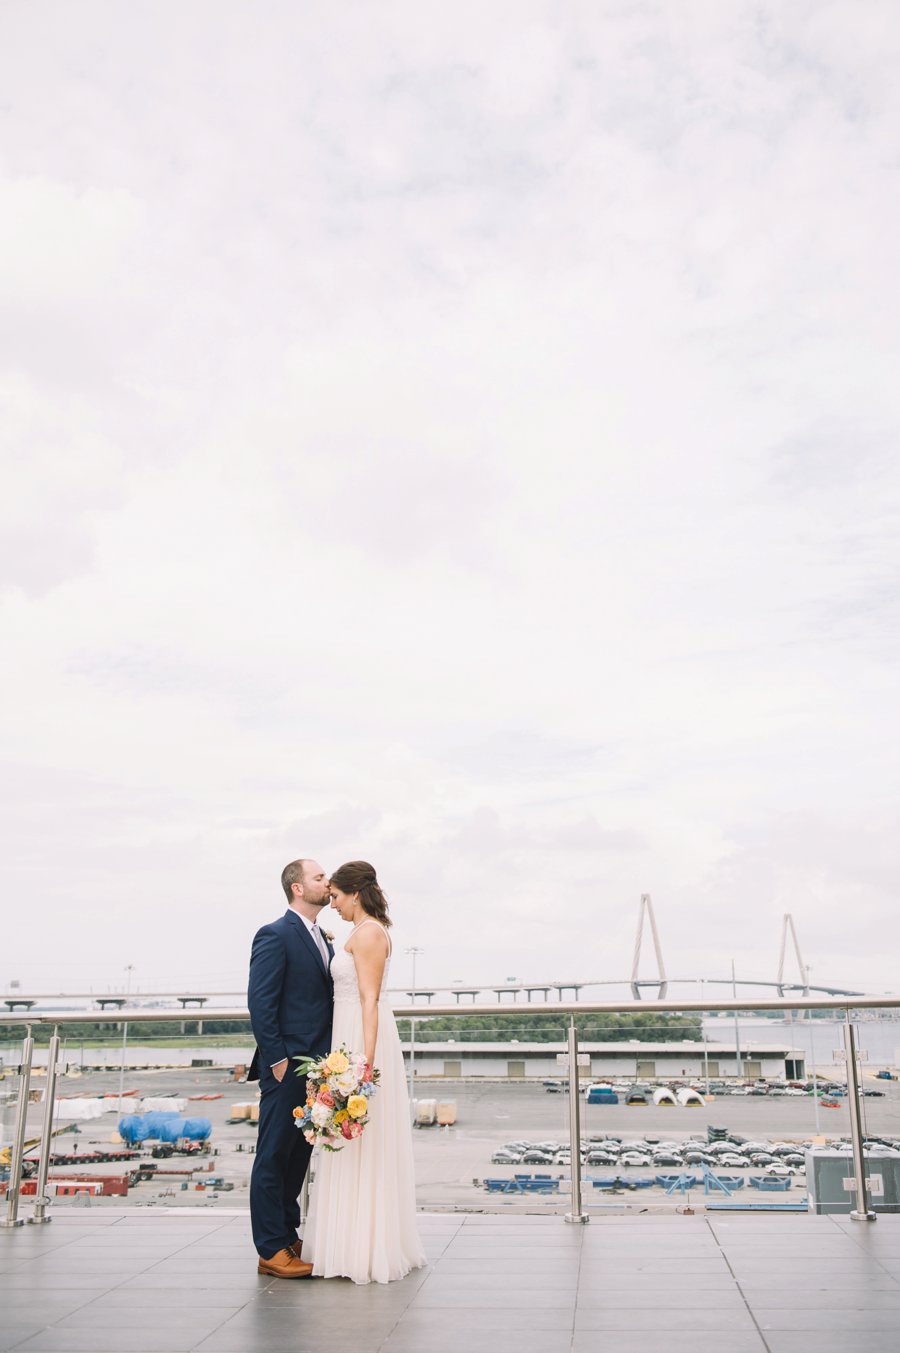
(291, 1001)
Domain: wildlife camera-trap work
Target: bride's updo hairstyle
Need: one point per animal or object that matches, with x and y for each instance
(358, 876)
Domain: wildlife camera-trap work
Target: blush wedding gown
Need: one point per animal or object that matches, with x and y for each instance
(362, 1216)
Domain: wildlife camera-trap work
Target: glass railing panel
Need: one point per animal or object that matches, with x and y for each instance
(666, 1102)
(149, 1115)
(490, 1111)
(692, 1093)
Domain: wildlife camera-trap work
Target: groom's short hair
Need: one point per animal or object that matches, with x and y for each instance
(292, 873)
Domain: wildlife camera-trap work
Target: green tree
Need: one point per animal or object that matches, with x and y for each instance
(650, 1027)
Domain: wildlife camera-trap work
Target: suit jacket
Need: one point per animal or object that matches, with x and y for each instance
(290, 994)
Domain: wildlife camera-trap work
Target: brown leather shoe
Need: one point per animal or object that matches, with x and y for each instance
(284, 1264)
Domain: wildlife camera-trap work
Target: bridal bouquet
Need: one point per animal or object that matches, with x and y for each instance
(338, 1091)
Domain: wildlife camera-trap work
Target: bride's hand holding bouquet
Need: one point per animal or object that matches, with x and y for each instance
(338, 1090)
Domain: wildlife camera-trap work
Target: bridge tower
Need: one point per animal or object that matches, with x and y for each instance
(787, 925)
(646, 909)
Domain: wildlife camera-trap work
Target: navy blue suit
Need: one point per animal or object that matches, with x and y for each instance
(291, 1000)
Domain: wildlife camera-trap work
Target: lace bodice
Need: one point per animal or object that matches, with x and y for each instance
(343, 973)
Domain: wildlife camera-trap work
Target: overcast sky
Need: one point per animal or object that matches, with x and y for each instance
(462, 437)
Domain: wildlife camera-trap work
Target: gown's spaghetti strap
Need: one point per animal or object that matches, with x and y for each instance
(370, 920)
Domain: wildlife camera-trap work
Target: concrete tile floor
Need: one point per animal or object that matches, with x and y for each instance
(181, 1282)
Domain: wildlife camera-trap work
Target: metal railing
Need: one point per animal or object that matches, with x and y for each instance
(56, 1020)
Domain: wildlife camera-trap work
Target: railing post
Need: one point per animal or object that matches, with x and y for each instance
(18, 1146)
(862, 1211)
(42, 1201)
(576, 1215)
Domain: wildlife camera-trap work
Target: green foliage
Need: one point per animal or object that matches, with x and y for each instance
(109, 1031)
(649, 1027)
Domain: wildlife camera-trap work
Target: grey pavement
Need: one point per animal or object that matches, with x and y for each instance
(174, 1282)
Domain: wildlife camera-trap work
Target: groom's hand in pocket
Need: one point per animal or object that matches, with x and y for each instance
(279, 1070)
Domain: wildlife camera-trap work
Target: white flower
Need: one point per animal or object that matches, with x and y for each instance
(320, 1114)
(344, 1084)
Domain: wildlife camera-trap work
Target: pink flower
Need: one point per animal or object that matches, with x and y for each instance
(326, 1097)
(355, 1129)
(347, 1129)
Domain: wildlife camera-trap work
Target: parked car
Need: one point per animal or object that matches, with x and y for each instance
(634, 1158)
(503, 1157)
(601, 1158)
(666, 1158)
(538, 1158)
(762, 1158)
(733, 1161)
(780, 1171)
(699, 1158)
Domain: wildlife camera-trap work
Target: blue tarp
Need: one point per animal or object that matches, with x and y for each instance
(163, 1127)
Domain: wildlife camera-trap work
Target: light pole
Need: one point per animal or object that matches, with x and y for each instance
(737, 1027)
(413, 951)
(129, 968)
(703, 1036)
(812, 1053)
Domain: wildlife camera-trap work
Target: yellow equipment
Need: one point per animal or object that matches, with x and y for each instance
(6, 1151)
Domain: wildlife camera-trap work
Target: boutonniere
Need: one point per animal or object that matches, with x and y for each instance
(328, 935)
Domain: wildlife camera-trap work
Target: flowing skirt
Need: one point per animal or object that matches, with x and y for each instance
(362, 1218)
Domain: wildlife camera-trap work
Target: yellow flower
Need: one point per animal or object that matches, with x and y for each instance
(341, 1117)
(357, 1106)
(336, 1063)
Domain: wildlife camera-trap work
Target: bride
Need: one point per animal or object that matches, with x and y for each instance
(362, 1218)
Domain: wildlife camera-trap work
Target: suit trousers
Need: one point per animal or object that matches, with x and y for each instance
(282, 1159)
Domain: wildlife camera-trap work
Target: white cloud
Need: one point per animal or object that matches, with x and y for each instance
(465, 443)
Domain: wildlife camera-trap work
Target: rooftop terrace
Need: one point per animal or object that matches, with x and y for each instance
(172, 1282)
